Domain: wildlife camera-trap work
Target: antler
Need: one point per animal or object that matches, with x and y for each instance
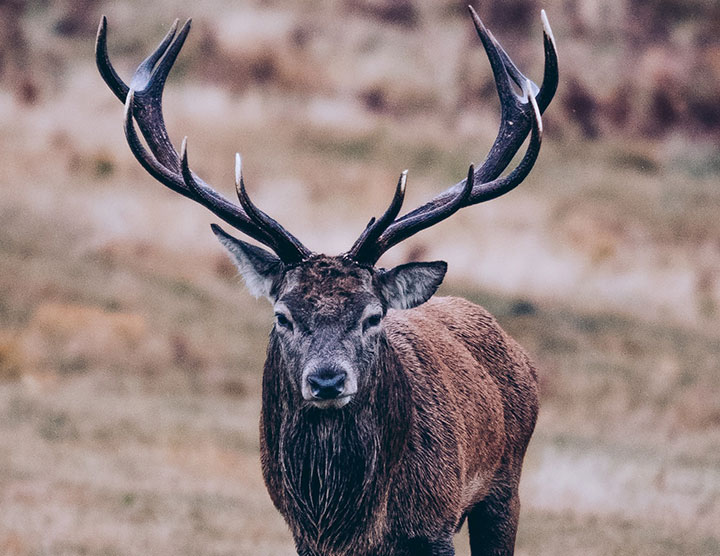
(520, 115)
(143, 104)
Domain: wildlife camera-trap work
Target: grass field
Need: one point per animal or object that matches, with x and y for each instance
(130, 354)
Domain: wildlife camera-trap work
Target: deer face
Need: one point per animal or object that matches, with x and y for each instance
(329, 315)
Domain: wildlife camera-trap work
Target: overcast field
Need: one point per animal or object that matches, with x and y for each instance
(131, 355)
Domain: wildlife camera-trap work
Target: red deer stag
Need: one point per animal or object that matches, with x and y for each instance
(388, 417)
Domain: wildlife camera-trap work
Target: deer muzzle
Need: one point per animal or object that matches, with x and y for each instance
(328, 385)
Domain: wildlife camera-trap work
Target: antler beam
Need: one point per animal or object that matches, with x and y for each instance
(143, 104)
(520, 115)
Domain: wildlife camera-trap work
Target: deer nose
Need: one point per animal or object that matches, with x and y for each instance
(327, 383)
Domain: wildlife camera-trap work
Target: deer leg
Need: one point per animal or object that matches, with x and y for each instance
(492, 525)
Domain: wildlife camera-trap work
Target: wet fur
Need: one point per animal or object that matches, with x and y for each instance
(440, 436)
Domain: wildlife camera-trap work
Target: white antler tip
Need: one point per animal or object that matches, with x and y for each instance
(238, 169)
(403, 181)
(546, 26)
(478, 22)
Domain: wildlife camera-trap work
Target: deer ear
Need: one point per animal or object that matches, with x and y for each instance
(259, 269)
(409, 285)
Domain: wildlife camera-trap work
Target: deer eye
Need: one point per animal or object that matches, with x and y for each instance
(371, 322)
(283, 322)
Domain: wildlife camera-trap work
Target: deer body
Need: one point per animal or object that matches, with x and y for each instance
(442, 435)
(388, 417)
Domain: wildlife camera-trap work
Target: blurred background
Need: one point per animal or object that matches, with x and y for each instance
(131, 355)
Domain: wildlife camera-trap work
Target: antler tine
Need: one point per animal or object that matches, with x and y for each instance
(500, 186)
(149, 84)
(408, 226)
(515, 123)
(143, 104)
(520, 115)
(194, 189)
(376, 227)
(107, 71)
(551, 74)
(546, 91)
(413, 225)
(221, 206)
(287, 247)
(147, 71)
(286, 243)
(502, 72)
(146, 159)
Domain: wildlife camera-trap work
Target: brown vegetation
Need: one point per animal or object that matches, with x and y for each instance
(605, 265)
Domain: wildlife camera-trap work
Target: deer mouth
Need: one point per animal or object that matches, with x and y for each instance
(335, 403)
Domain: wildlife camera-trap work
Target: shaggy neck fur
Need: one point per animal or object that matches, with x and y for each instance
(334, 466)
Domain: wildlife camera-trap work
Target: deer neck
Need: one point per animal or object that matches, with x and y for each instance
(336, 464)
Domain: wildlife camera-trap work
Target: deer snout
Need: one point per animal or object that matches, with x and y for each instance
(327, 383)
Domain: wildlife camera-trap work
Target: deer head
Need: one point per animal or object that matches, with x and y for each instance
(329, 310)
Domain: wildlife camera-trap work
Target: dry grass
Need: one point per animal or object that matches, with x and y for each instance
(130, 355)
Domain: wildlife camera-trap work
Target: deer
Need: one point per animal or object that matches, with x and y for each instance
(389, 416)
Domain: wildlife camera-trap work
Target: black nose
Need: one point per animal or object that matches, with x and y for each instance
(327, 383)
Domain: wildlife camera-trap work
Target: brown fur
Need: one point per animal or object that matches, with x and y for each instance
(441, 437)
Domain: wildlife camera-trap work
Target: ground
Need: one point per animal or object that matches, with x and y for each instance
(130, 353)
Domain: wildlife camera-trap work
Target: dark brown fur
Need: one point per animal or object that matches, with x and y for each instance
(441, 436)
